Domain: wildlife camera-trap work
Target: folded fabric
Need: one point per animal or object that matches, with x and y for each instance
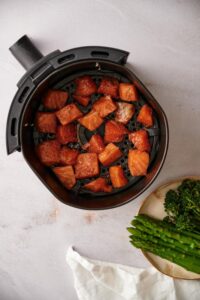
(97, 280)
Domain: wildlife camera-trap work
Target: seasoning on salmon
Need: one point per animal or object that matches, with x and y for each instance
(46, 122)
(109, 86)
(86, 165)
(95, 145)
(66, 134)
(124, 113)
(83, 100)
(55, 99)
(98, 185)
(117, 176)
(68, 114)
(140, 140)
(91, 121)
(68, 156)
(85, 86)
(138, 162)
(104, 106)
(128, 92)
(110, 154)
(145, 116)
(66, 176)
(49, 152)
(114, 132)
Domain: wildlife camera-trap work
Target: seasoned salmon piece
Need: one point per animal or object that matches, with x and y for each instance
(46, 122)
(68, 114)
(109, 86)
(55, 99)
(66, 176)
(128, 92)
(66, 134)
(98, 185)
(91, 121)
(104, 106)
(124, 113)
(85, 86)
(145, 116)
(49, 152)
(68, 156)
(110, 154)
(95, 145)
(114, 132)
(86, 165)
(83, 100)
(138, 162)
(117, 176)
(140, 140)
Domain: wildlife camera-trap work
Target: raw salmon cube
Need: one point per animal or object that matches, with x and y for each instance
(68, 114)
(98, 185)
(138, 162)
(114, 132)
(95, 145)
(49, 152)
(145, 116)
(91, 121)
(66, 133)
(104, 106)
(86, 165)
(117, 176)
(55, 99)
(140, 140)
(128, 92)
(109, 86)
(124, 112)
(85, 86)
(110, 154)
(82, 100)
(66, 176)
(68, 156)
(46, 122)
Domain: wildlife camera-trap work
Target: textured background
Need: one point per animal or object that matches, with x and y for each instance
(163, 38)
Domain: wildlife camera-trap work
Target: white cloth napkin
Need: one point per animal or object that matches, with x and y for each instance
(97, 280)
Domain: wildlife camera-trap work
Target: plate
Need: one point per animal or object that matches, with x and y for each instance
(153, 206)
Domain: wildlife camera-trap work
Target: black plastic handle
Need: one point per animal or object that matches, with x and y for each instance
(26, 52)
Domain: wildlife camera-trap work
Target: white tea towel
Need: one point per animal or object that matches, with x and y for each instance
(97, 280)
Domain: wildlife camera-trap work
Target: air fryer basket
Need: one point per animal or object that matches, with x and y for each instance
(63, 78)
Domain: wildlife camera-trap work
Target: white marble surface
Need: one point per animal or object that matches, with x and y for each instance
(163, 38)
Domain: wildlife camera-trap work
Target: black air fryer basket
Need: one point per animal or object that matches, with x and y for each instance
(58, 71)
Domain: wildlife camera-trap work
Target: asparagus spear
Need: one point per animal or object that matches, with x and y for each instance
(188, 262)
(159, 226)
(166, 242)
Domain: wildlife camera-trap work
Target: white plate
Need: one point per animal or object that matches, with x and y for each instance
(153, 207)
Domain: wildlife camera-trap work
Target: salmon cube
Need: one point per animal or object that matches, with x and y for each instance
(114, 132)
(98, 185)
(128, 92)
(110, 154)
(104, 106)
(91, 121)
(68, 156)
(68, 114)
(138, 162)
(117, 177)
(85, 86)
(109, 86)
(86, 165)
(49, 152)
(124, 112)
(83, 100)
(95, 145)
(145, 116)
(140, 140)
(67, 134)
(66, 176)
(55, 99)
(46, 122)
